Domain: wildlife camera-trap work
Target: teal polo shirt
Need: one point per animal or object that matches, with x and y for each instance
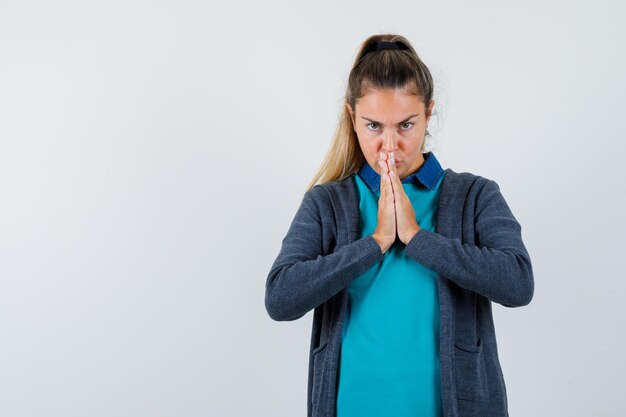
(389, 361)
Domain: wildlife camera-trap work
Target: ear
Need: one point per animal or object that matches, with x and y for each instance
(351, 112)
(429, 109)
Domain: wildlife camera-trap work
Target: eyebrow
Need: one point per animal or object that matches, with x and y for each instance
(405, 120)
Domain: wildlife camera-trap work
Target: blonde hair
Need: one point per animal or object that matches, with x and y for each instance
(372, 68)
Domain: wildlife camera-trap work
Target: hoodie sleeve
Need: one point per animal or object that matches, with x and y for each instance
(499, 269)
(301, 278)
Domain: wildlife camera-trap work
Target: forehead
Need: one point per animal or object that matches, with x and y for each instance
(389, 102)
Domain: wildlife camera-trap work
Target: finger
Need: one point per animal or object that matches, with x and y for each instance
(385, 181)
(392, 162)
(384, 168)
(392, 167)
(386, 190)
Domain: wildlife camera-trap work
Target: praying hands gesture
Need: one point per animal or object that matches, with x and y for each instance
(396, 216)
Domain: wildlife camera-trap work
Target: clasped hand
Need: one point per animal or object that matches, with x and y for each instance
(396, 217)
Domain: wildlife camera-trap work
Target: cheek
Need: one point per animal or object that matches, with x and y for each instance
(374, 147)
(371, 153)
(367, 144)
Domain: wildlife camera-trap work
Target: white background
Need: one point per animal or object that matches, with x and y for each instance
(153, 155)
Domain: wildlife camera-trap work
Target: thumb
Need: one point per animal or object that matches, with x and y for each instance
(395, 179)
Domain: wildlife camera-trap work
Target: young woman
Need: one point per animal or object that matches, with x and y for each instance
(399, 259)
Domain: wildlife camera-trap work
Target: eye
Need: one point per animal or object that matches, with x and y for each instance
(407, 124)
(373, 124)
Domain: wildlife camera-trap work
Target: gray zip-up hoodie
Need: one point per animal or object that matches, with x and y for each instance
(477, 252)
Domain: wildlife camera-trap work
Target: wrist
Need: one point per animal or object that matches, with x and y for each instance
(412, 234)
(384, 245)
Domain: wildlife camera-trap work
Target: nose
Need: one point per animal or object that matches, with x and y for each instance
(390, 143)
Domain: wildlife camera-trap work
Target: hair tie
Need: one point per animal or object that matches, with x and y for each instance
(386, 45)
(380, 45)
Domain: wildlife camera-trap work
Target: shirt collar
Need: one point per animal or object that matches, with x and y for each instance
(428, 174)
